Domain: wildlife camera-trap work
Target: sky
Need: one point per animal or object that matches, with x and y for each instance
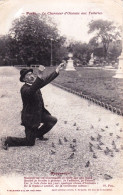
(72, 16)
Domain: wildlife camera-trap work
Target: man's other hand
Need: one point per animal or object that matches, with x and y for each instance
(60, 66)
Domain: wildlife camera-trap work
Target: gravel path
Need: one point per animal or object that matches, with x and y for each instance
(82, 133)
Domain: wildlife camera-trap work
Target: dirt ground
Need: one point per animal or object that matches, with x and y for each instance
(81, 126)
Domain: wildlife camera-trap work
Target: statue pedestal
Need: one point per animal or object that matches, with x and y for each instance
(70, 66)
(119, 72)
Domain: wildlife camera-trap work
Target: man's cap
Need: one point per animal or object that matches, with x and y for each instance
(23, 72)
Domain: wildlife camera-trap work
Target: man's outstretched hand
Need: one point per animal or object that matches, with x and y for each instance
(60, 66)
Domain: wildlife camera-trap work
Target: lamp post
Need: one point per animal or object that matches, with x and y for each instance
(51, 59)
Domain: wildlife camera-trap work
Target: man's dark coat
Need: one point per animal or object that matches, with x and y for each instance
(33, 105)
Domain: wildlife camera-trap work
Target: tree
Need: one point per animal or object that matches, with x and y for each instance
(93, 43)
(31, 35)
(105, 32)
(4, 50)
(114, 53)
(80, 50)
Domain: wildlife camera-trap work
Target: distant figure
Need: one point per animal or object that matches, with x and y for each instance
(33, 112)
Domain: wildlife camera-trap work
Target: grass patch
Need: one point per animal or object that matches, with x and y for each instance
(97, 83)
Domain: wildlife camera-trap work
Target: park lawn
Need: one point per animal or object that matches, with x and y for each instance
(97, 83)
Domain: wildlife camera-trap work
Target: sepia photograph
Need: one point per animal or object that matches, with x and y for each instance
(61, 97)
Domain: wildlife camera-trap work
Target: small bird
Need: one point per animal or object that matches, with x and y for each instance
(107, 177)
(74, 140)
(74, 149)
(121, 147)
(72, 146)
(101, 143)
(90, 144)
(98, 147)
(118, 137)
(77, 128)
(53, 152)
(90, 148)
(92, 138)
(74, 124)
(92, 127)
(65, 139)
(94, 155)
(110, 134)
(102, 130)
(117, 124)
(53, 145)
(106, 127)
(116, 150)
(71, 156)
(107, 151)
(99, 137)
(114, 145)
(121, 130)
(60, 142)
(87, 164)
(112, 155)
(65, 122)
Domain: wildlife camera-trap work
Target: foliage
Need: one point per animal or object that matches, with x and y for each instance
(105, 32)
(31, 37)
(80, 51)
(4, 49)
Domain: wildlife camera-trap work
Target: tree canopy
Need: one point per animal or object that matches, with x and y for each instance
(105, 32)
(32, 36)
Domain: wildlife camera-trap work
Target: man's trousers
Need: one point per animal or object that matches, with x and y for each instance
(33, 132)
